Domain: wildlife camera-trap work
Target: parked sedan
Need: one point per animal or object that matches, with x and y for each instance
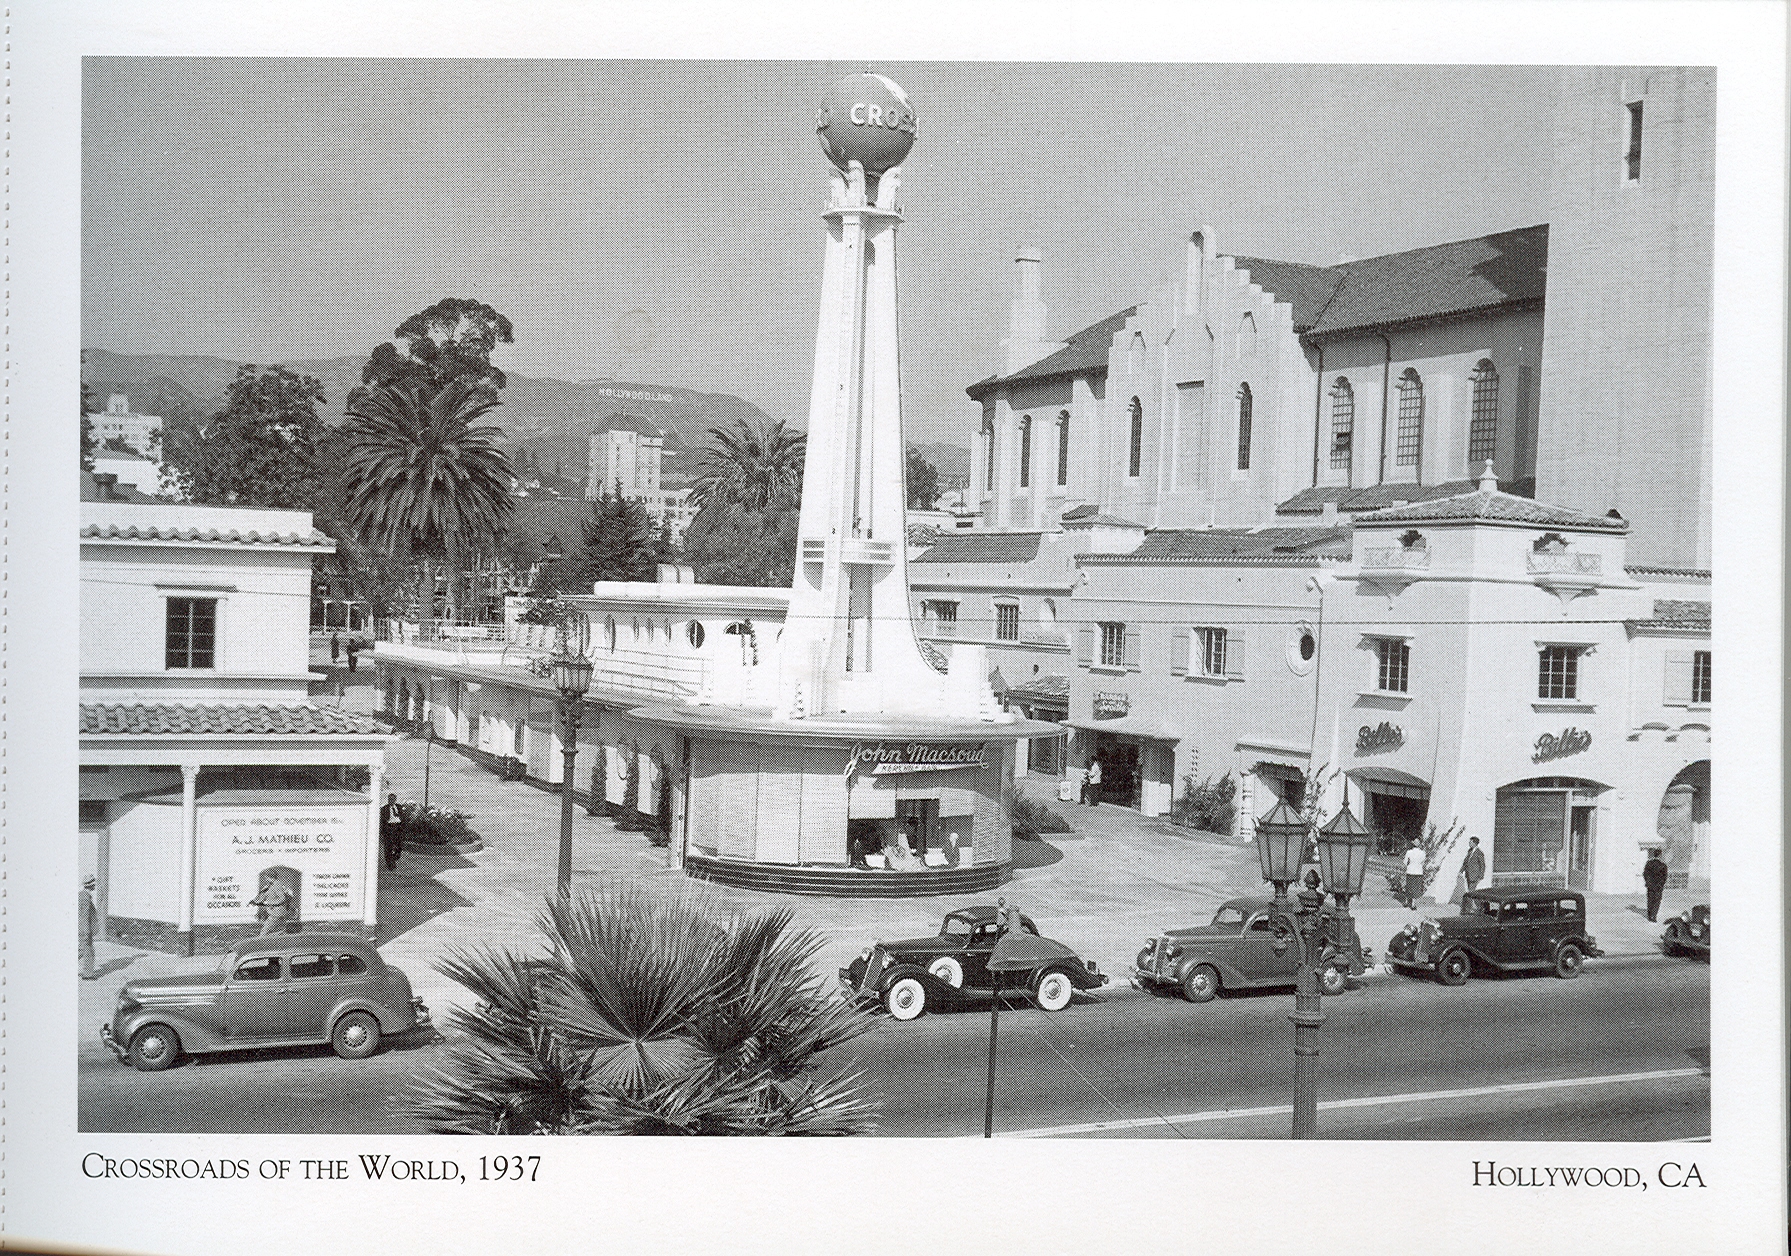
(278, 991)
(913, 974)
(1688, 933)
(1240, 950)
(1515, 928)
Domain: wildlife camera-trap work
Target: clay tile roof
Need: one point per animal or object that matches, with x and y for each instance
(1084, 352)
(1307, 288)
(1045, 687)
(113, 532)
(982, 547)
(1459, 277)
(1493, 508)
(1111, 521)
(1351, 501)
(215, 719)
(1245, 543)
(1675, 610)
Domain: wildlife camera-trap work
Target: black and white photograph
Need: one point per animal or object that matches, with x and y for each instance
(1136, 604)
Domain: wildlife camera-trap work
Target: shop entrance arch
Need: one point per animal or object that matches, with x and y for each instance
(1395, 805)
(1682, 829)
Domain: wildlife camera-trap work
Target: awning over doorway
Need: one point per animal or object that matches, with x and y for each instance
(1391, 781)
(1131, 726)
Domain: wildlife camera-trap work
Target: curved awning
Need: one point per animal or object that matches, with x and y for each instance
(1402, 782)
(1131, 726)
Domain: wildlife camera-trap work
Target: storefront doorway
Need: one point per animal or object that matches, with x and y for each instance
(1120, 774)
(1682, 829)
(1545, 832)
(1395, 806)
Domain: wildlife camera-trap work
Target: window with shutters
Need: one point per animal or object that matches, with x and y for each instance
(1113, 645)
(1410, 442)
(1209, 656)
(1343, 423)
(1007, 621)
(1700, 678)
(1483, 428)
(1026, 451)
(192, 627)
(1688, 678)
(1137, 458)
(1063, 448)
(1246, 407)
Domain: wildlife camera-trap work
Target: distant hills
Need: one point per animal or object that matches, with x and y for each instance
(550, 420)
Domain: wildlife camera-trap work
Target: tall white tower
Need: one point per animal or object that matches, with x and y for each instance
(848, 644)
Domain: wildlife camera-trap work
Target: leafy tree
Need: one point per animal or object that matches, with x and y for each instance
(619, 540)
(923, 481)
(757, 467)
(89, 405)
(645, 1017)
(451, 340)
(731, 544)
(422, 478)
(264, 448)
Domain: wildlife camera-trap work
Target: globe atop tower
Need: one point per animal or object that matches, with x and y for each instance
(867, 119)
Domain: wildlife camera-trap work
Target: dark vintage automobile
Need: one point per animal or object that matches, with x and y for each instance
(1688, 933)
(1240, 950)
(278, 991)
(911, 975)
(1515, 928)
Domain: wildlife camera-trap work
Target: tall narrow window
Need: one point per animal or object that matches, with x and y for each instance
(1633, 158)
(1483, 429)
(1245, 405)
(1026, 451)
(1393, 670)
(192, 631)
(1137, 462)
(1410, 443)
(988, 455)
(1343, 423)
(1113, 645)
(1558, 672)
(1063, 448)
(1007, 621)
(1700, 677)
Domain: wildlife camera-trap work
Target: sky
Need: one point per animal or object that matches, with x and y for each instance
(659, 221)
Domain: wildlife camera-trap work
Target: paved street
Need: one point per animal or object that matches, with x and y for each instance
(1102, 888)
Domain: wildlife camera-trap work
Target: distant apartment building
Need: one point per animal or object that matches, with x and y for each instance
(116, 422)
(627, 456)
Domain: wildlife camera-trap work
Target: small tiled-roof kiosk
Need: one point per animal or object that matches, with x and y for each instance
(204, 770)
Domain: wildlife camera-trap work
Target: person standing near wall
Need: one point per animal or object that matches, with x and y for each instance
(277, 900)
(1654, 880)
(1414, 873)
(88, 920)
(1473, 868)
(1091, 783)
(391, 831)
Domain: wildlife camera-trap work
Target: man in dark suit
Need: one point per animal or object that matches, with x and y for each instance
(1473, 868)
(1654, 878)
(391, 831)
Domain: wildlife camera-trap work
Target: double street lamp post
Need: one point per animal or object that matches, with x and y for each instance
(572, 677)
(1343, 849)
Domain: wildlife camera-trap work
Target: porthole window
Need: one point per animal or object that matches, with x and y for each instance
(693, 632)
(1308, 646)
(1302, 650)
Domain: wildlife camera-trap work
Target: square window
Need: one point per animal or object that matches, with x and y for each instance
(192, 631)
(1007, 622)
(1394, 665)
(1700, 685)
(1558, 673)
(1212, 651)
(1113, 645)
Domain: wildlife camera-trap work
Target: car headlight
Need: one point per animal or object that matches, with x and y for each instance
(865, 954)
(1685, 916)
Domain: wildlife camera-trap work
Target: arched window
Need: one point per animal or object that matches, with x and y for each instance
(1247, 335)
(609, 633)
(1137, 461)
(1343, 423)
(1025, 451)
(1245, 405)
(1063, 448)
(1410, 444)
(1483, 429)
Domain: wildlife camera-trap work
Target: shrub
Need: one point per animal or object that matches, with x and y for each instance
(628, 815)
(1030, 819)
(435, 824)
(1206, 804)
(1437, 845)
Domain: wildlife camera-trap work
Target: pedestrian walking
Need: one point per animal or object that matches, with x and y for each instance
(335, 646)
(1091, 783)
(88, 920)
(276, 900)
(1414, 873)
(1473, 868)
(1654, 878)
(391, 831)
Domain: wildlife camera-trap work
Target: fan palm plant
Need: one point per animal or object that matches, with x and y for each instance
(757, 467)
(646, 1017)
(424, 479)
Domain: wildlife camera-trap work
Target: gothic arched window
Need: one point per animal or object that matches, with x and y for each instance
(1026, 451)
(1410, 442)
(1343, 423)
(1137, 461)
(1245, 405)
(1483, 428)
(1063, 448)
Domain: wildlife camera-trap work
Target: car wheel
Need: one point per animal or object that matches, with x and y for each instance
(1569, 960)
(1672, 943)
(153, 1048)
(1454, 968)
(356, 1036)
(1054, 990)
(1201, 985)
(1333, 979)
(906, 999)
(948, 970)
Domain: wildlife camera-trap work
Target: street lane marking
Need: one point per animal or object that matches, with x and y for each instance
(1369, 1101)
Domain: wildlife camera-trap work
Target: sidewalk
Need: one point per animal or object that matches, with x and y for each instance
(1103, 888)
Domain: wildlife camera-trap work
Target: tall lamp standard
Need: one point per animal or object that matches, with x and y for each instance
(1343, 849)
(572, 677)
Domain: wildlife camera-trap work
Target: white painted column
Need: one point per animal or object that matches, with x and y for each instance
(372, 857)
(189, 851)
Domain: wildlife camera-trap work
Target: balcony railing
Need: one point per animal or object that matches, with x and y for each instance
(1395, 558)
(1563, 564)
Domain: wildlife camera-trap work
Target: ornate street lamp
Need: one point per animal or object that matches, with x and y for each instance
(1343, 849)
(572, 677)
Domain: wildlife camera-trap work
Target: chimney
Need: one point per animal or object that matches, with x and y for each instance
(1025, 341)
(1327, 515)
(104, 482)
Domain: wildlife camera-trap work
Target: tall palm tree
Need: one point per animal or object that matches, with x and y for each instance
(423, 478)
(646, 1017)
(757, 467)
